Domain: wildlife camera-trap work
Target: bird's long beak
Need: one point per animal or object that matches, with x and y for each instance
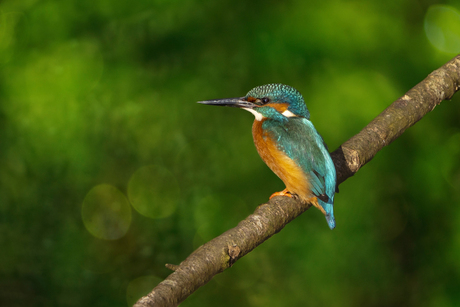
(240, 102)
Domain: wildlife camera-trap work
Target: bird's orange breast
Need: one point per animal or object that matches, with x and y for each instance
(284, 167)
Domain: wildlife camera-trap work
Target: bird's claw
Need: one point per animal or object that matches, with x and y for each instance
(284, 192)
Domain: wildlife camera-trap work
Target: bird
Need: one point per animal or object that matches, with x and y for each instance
(289, 144)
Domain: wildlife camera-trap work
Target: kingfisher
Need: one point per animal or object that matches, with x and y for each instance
(289, 144)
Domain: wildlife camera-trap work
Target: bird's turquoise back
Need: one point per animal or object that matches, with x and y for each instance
(299, 140)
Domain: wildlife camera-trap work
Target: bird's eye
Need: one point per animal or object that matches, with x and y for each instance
(265, 100)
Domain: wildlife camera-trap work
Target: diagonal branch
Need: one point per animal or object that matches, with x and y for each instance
(222, 252)
(440, 85)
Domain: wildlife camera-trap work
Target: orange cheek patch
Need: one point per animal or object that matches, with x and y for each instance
(280, 107)
(251, 99)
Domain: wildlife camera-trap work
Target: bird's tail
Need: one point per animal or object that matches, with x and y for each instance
(329, 208)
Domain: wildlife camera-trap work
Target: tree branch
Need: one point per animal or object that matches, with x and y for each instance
(222, 252)
(440, 85)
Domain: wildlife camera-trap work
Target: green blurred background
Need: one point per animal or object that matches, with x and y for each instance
(109, 169)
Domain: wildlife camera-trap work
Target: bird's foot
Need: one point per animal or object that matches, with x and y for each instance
(284, 192)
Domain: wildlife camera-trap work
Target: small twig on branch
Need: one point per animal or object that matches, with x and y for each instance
(172, 267)
(268, 219)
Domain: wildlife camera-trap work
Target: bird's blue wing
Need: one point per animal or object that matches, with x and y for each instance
(299, 140)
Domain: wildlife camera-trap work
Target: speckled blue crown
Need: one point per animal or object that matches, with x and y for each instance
(281, 93)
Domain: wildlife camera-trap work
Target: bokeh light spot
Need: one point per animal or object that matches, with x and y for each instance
(442, 27)
(153, 191)
(140, 287)
(106, 212)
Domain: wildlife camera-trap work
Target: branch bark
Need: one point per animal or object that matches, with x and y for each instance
(222, 252)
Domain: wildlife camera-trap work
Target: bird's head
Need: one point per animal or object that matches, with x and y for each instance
(267, 101)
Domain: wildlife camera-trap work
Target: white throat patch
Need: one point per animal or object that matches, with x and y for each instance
(258, 116)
